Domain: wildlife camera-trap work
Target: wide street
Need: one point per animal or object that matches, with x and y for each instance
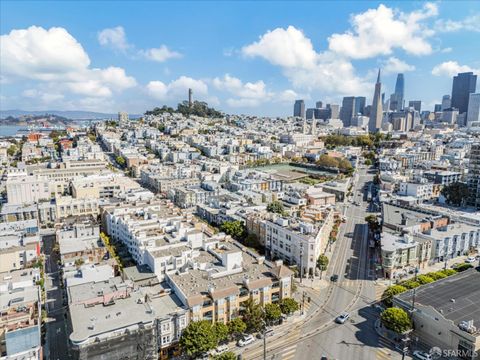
(318, 335)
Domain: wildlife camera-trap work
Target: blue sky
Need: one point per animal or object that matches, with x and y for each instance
(241, 57)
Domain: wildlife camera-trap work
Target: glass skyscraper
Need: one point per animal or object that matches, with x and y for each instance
(463, 85)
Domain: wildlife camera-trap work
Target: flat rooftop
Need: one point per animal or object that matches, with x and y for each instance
(393, 215)
(102, 321)
(463, 287)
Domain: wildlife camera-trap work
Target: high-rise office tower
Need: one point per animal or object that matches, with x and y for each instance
(348, 110)
(437, 108)
(376, 112)
(397, 98)
(123, 116)
(334, 110)
(463, 85)
(446, 102)
(474, 176)
(318, 104)
(473, 114)
(312, 113)
(299, 108)
(416, 104)
(360, 105)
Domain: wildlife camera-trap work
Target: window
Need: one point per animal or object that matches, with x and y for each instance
(166, 327)
(165, 339)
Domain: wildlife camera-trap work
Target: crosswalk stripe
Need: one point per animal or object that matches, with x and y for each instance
(289, 353)
(382, 355)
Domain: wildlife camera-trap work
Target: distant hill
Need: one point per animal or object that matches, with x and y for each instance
(72, 115)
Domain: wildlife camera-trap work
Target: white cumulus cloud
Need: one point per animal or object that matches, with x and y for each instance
(379, 31)
(56, 58)
(40, 54)
(470, 23)
(250, 94)
(395, 65)
(285, 47)
(176, 89)
(451, 68)
(161, 54)
(114, 38)
(304, 67)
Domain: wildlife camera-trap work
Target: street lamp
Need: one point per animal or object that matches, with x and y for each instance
(264, 331)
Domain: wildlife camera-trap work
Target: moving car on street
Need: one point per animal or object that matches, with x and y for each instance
(342, 318)
(246, 340)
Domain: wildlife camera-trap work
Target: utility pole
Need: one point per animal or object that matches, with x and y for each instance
(303, 303)
(414, 290)
(301, 263)
(264, 334)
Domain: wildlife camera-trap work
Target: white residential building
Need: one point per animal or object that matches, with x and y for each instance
(298, 242)
(26, 189)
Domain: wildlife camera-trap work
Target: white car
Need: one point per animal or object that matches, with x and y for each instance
(470, 259)
(219, 350)
(247, 340)
(422, 355)
(342, 318)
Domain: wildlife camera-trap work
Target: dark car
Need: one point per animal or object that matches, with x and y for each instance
(334, 278)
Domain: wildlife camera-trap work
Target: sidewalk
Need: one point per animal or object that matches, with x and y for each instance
(424, 270)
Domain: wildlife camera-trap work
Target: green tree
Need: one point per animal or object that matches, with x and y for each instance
(197, 338)
(396, 319)
(344, 164)
(322, 264)
(424, 279)
(229, 355)
(463, 267)
(390, 292)
(252, 314)
(252, 241)
(372, 222)
(233, 228)
(275, 207)
(447, 272)
(327, 161)
(456, 194)
(272, 313)
(221, 332)
(368, 162)
(410, 284)
(236, 327)
(437, 275)
(12, 150)
(120, 161)
(288, 306)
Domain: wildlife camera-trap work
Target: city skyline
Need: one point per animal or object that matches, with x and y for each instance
(132, 62)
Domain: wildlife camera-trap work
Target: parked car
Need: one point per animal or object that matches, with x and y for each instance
(219, 350)
(342, 318)
(246, 340)
(268, 332)
(422, 355)
(470, 259)
(204, 356)
(334, 278)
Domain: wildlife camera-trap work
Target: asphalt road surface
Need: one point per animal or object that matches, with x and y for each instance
(318, 335)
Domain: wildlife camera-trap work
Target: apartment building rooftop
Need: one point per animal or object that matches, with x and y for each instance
(99, 321)
(450, 230)
(217, 279)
